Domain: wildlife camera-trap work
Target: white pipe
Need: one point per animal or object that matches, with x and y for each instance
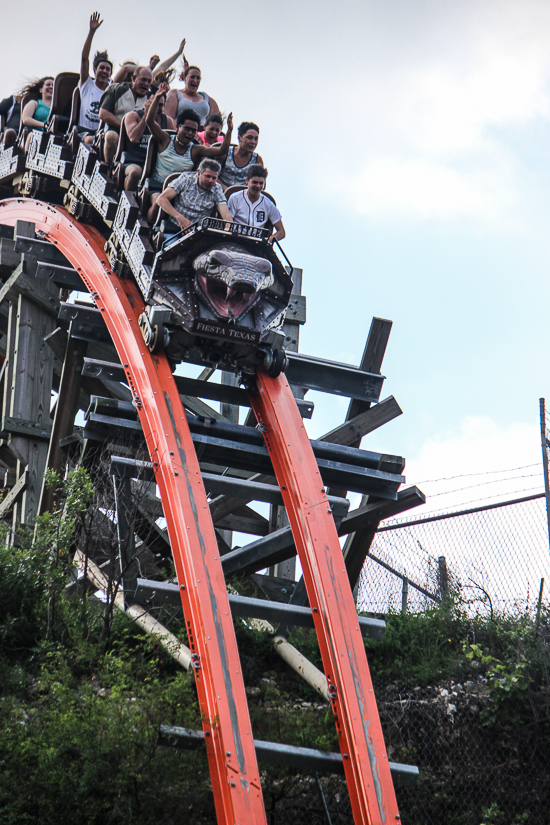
(141, 617)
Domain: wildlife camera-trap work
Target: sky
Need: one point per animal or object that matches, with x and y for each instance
(408, 146)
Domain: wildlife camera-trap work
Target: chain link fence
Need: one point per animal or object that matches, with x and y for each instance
(494, 556)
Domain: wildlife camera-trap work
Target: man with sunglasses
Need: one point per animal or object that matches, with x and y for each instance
(179, 152)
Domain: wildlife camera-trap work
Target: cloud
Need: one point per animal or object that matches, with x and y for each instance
(431, 134)
(418, 187)
(481, 461)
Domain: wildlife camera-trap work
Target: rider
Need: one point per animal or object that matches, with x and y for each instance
(92, 88)
(211, 133)
(240, 157)
(195, 194)
(137, 140)
(117, 101)
(251, 207)
(178, 153)
(190, 98)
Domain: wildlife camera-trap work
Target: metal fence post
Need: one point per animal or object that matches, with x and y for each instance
(443, 577)
(404, 595)
(545, 444)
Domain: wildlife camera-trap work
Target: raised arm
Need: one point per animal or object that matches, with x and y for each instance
(123, 73)
(95, 23)
(162, 137)
(218, 151)
(172, 59)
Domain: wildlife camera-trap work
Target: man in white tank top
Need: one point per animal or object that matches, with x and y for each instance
(92, 88)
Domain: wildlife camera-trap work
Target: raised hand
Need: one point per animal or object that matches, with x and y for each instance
(230, 121)
(182, 46)
(95, 21)
(163, 89)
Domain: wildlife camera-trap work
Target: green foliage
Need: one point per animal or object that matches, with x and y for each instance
(420, 648)
(505, 684)
(492, 815)
(80, 710)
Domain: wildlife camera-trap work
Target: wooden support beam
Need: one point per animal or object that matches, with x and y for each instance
(37, 291)
(351, 432)
(371, 361)
(273, 753)
(65, 412)
(373, 355)
(9, 500)
(28, 383)
(365, 525)
(279, 545)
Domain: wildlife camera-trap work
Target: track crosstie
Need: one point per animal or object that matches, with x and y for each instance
(226, 722)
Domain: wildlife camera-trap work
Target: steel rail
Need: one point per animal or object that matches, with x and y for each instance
(345, 664)
(222, 697)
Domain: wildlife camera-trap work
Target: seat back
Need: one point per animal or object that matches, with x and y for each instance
(144, 185)
(122, 138)
(24, 130)
(75, 108)
(239, 188)
(164, 221)
(60, 113)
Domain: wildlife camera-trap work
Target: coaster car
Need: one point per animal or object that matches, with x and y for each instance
(222, 292)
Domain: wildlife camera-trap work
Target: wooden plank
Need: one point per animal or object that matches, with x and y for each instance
(20, 283)
(296, 311)
(30, 397)
(8, 256)
(65, 412)
(373, 356)
(18, 426)
(199, 407)
(352, 431)
(9, 500)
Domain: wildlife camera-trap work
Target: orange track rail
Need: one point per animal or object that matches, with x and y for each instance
(362, 745)
(226, 721)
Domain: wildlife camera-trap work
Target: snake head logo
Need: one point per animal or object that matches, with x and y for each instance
(230, 280)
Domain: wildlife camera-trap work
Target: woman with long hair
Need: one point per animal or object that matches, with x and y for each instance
(35, 112)
(190, 98)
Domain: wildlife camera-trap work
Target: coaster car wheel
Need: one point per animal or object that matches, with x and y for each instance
(159, 339)
(275, 362)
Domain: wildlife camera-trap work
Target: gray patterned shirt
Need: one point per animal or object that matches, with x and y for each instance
(192, 201)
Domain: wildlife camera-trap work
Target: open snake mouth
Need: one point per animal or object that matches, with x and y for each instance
(230, 281)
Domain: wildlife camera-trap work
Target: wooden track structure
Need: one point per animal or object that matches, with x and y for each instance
(45, 253)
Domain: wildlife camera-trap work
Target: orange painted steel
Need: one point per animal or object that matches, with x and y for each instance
(222, 697)
(350, 688)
